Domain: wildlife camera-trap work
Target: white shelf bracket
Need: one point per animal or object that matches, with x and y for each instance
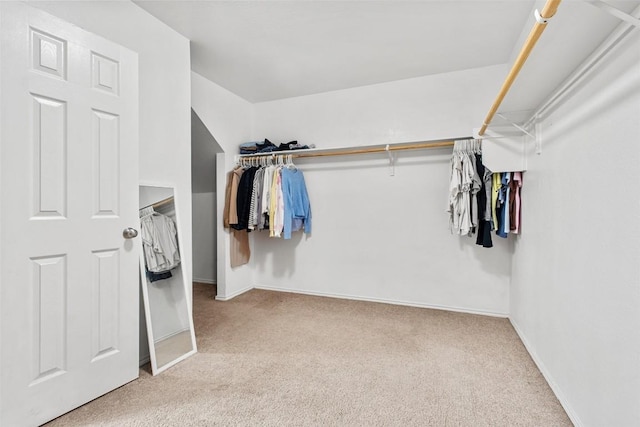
(515, 125)
(615, 12)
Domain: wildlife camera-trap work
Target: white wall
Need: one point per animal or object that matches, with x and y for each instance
(433, 107)
(575, 296)
(376, 236)
(204, 237)
(165, 122)
(204, 149)
(229, 119)
(203, 157)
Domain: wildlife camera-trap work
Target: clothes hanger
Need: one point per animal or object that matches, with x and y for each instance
(146, 212)
(290, 164)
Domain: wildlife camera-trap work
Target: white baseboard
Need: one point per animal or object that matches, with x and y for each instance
(233, 295)
(144, 361)
(573, 416)
(147, 358)
(172, 334)
(208, 281)
(386, 301)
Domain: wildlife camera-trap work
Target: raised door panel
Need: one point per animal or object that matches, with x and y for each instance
(50, 157)
(105, 288)
(49, 317)
(106, 163)
(48, 54)
(105, 73)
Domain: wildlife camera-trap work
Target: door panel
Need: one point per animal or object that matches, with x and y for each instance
(69, 310)
(49, 317)
(105, 295)
(50, 157)
(106, 160)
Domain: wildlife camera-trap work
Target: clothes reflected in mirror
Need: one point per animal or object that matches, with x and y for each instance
(159, 244)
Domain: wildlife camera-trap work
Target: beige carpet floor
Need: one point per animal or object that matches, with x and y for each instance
(278, 359)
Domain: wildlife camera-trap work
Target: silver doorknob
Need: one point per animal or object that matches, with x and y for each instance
(129, 233)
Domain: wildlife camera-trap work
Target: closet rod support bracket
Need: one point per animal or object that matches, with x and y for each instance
(392, 161)
(538, 128)
(539, 18)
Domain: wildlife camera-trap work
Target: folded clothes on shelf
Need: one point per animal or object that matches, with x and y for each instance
(267, 146)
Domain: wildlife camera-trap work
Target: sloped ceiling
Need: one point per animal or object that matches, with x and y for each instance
(267, 50)
(571, 36)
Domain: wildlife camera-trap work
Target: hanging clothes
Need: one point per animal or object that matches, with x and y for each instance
(263, 223)
(296, 206)
(230, 213)
(260, 198)
(276, 205)
(243, 201)
(480, 201)
(484, 205)
(455, 193)
(154, 277)
(240, 252)
(496, 185)
(514, 204)
(502, 209)
(159, 241)
(464, 185)
(255, 195)
(505, 202)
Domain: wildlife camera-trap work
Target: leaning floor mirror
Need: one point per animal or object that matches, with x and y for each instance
(164, 287)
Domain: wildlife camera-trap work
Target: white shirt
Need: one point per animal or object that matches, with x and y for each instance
(159, 242)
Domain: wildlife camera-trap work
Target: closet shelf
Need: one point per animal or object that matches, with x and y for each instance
(346, 151)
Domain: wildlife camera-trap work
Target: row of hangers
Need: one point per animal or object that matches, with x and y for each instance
(467, 146)
(285, 160)
(146, 212)
(151, 209)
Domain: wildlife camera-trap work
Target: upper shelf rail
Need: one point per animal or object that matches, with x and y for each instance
(548, 11)
(361, 150)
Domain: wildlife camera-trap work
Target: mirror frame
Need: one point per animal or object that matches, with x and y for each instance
(155, 369)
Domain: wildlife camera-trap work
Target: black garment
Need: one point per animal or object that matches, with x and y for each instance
(484, 234)
(484, 227)
(482, 194)
(154, 277)
(243, 201)
(266, 146)
(286, 146)
(501, 205)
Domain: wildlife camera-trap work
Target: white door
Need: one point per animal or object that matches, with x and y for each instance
(69, 186)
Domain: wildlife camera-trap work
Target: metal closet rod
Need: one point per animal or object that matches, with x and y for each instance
(542, 18)
(349, 151)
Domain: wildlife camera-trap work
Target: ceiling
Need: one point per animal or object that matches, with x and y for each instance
(267, 50)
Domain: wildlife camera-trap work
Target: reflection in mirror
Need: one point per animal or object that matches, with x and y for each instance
(164, 287)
